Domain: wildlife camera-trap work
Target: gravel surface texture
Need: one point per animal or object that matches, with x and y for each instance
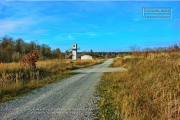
(69, 99)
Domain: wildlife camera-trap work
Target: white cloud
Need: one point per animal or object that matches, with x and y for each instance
(92, 26)
(137, 18)
(3, 3)
(85, 34)
(64, 37)
(40, 31)
(73, 36)
(70, 37)
(8, 26)
(91, 34)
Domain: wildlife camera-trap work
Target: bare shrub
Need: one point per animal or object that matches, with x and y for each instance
(31, 59)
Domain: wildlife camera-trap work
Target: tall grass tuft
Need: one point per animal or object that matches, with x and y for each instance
(150, 89)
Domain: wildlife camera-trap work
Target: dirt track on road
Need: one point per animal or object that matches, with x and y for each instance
(68, 99)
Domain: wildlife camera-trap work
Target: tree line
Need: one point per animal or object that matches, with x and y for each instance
(13, 50)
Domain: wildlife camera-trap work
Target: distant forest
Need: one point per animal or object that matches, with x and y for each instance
(12, 50)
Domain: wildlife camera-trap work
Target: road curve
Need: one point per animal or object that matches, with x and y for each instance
(68, 99)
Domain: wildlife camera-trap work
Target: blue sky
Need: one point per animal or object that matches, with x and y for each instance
(97, 25)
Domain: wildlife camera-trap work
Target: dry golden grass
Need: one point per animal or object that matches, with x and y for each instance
(51, 64)
(9, 66)
(63, 65)
(148, 90)
(50, 71)
(117, 62)
(128, 56)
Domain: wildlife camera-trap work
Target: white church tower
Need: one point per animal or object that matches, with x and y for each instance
(74, 52)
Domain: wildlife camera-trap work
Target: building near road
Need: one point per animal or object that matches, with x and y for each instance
(86, 57)
(74, 52)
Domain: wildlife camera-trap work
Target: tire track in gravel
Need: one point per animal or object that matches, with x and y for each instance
(68, 99)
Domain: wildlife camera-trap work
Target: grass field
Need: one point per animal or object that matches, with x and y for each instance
(50, 71)
(52, 65)
(150, 89)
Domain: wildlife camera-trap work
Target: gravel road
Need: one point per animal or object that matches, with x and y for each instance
(68, 99)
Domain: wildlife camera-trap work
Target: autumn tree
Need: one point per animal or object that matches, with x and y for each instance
(7, 48)
(14, 50)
